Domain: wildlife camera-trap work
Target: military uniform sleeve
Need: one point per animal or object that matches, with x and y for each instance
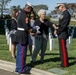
(25, 22)
(63, 23)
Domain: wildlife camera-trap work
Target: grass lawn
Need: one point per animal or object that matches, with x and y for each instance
(52, 59)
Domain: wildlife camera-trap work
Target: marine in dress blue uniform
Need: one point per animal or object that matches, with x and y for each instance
(62, 33)
(21, 38)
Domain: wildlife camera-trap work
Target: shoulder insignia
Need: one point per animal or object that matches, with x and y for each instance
(26, 20)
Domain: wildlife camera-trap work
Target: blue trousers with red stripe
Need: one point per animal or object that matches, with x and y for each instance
(21, 58)
(63, 52)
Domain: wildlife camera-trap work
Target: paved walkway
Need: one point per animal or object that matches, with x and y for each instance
(4, 72)
(8, 66)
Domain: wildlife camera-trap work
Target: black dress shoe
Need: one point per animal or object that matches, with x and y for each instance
(41, 61)
(32, 62)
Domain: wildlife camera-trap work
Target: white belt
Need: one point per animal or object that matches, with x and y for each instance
(22, 29)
